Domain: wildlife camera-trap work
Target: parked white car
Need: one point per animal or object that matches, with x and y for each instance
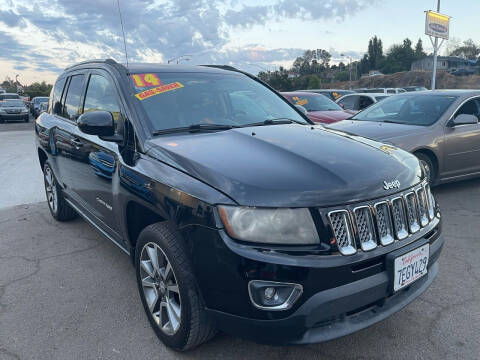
(382, 90)
(354, 103)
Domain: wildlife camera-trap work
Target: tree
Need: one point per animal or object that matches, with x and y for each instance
(399, 58)
(469, 50)
(419, 53)
(375, 52)
(314, 82)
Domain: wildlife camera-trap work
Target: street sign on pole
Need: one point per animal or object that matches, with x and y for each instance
(436, 26)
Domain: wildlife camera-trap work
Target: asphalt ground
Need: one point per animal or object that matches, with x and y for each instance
(68, 293)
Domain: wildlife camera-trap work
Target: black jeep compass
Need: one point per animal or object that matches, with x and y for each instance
(238, 213)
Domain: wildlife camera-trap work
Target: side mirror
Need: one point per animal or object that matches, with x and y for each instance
(302, 109)
(464, 119)
(97, 123)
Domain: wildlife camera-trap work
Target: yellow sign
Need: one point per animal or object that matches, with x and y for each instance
(437, 25)
(158, 90)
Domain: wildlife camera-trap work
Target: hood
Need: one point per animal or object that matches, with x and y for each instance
(328, 117)
(288, 165)
(376, 130)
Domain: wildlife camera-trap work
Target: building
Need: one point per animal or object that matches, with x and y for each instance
(445, 63)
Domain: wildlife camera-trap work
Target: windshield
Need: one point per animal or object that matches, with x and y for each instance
(11, 103)
(315, 102)
(39, 100)
(420, 110)
(9, 96)
(177, 100)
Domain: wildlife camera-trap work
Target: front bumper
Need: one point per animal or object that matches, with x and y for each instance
(342, 294)
(9, 117)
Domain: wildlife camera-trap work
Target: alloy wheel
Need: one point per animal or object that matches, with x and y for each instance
(51, 189)
(160, 288)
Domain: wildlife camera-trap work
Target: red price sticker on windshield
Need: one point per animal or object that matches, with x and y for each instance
(145, 80)
(158, 90)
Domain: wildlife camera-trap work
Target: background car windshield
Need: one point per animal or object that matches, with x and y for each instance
(39, 100)
(11, 103)
(420, 110)
(315, 103)
(9, 96)
(183, 99)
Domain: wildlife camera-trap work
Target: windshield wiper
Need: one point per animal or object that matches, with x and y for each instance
(278, 121)
(194, 128)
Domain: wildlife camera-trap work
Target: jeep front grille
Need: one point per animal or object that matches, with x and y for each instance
(342, 229)
(367, 226)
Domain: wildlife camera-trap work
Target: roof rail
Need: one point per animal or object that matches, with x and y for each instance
(104, 61)
(224, 67)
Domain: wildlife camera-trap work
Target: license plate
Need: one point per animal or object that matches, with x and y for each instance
(411, 266)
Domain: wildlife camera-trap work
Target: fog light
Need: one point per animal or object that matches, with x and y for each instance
(270, 295)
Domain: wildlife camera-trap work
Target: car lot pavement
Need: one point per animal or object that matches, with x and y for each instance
(67, 293)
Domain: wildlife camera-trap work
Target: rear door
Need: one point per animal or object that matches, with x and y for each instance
(462, 150)
(67, 110)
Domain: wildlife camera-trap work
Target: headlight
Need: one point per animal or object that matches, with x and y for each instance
(24, 110)
(270, 226)
(2, 111)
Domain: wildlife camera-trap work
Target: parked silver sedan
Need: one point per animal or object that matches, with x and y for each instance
(440, 127)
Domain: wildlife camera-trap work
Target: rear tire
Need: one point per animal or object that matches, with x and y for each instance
(59, 208)
(171, 298)
(431, 171)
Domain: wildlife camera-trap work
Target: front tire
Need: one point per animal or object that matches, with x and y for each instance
(168, 289)
(59, 208)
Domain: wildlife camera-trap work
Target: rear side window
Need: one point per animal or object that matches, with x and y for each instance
(72, 109)
(101, 95)
(365, 101)
(55, 102)
(349, 102)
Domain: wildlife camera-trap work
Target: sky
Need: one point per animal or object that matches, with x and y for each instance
(39, 38)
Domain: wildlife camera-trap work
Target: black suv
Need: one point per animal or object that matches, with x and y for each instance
(238, 213)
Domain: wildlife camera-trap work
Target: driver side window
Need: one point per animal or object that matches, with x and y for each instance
(471, 107)
(102, 95)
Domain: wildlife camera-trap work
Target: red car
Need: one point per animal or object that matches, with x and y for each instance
(319, 107)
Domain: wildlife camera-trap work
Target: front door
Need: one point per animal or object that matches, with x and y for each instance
(462, 150)
(96, 174)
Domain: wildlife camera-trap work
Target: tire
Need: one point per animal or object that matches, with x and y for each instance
(191, 325)
(427, 162)
(59, 208)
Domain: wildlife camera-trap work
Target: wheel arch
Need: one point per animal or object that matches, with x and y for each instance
(138, 217)
(432, 156)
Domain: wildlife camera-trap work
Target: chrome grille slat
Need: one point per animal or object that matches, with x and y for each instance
(365, 229)
(342, 230)
(399, 219)
(430, 202)
(412, 212)
(422, 207)
(384, 223)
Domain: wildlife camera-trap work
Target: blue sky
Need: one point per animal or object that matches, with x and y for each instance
(38, 38)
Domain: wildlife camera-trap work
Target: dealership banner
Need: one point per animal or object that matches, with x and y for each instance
(437, 25)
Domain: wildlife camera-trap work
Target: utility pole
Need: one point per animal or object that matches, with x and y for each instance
(435, 54)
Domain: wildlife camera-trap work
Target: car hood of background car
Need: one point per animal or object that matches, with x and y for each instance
(328, 117)
(377, 130)
(288, 165)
